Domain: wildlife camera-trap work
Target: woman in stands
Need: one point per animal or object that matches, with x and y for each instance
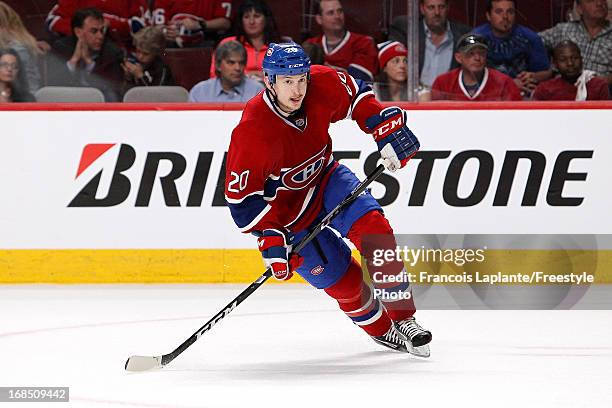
(255, 29)
(13, 34)
(145, 67)
(391, 82)
(13, 87)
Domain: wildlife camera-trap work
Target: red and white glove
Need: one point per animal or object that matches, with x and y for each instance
(275, 247)
(396, 143)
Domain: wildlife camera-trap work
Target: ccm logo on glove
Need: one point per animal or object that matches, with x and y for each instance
(396, 143)
(387, 127)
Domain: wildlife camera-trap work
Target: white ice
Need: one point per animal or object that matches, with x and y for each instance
(289, 346)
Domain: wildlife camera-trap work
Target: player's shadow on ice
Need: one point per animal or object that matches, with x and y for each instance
(364, 363)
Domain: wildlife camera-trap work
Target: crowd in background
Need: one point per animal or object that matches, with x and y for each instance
(115, 46)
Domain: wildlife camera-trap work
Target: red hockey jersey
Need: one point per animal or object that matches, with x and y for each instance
(167, 12)
(495, 86)
(277, 168)
(356, 54)
(201, 9)
(163, 12)
(116, 13)
(558, 89)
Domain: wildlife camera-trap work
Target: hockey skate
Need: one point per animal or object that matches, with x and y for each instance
(392, 339)
(417, 337)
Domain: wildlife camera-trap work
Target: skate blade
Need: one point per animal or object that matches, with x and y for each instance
(391, 345)
(421, 351)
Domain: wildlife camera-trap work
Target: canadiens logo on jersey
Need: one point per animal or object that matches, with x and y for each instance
(303, 174)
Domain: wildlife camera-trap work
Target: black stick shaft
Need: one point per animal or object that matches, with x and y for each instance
(167, 358)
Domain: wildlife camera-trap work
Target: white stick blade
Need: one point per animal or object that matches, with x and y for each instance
(142, 363)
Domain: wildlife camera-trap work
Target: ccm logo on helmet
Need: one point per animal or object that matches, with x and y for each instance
(303, 174)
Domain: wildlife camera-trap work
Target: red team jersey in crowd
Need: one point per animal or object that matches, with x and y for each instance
(202, 9)
(282, 186)
(156, 12)
(558, 89)
(166, 12)
(162, 12)
(116, 13)
(153, 12)
(495, 87)
(355, 54)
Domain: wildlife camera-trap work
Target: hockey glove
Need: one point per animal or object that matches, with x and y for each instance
(396, 143)
(275, 247)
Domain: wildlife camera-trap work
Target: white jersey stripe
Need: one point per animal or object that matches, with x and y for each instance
(338, 47)
(238, 201)
(309, 196)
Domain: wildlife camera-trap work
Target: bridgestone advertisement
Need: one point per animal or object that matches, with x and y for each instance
(126, 180)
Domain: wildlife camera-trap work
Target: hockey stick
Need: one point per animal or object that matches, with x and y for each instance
(144, 363)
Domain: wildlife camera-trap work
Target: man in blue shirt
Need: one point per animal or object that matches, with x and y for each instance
(514, 50)
(437, 38)
(230, 84)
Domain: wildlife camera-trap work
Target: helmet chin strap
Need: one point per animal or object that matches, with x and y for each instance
(274, 98)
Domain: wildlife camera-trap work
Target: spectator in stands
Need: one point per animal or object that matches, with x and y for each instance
(344, 50)
(437, 38)
(187, 23)
(117, 16)
(88, 57)
(145, 67)
(473, 81)
(230, 83)
(13, 87)
(13, 34)
(255, 29)
(592, 33)
(391, 82)
(514, 49)
(315, 52)
(574, 83)
(212, 17)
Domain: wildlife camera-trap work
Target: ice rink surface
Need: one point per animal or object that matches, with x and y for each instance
(289, 346)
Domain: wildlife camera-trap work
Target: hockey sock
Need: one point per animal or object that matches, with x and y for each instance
(356, 298)
(370, 233)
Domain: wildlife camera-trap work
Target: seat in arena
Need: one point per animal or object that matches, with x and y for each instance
(156, 94)
(68, 94)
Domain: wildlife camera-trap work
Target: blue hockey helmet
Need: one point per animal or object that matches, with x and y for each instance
(285, 59)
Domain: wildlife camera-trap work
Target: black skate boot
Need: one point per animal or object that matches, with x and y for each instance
(418, 337)
(392, 339)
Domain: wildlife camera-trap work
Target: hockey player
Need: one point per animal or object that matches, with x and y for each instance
(281, 189)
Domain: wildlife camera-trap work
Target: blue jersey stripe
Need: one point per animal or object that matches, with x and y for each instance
(247, 210)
